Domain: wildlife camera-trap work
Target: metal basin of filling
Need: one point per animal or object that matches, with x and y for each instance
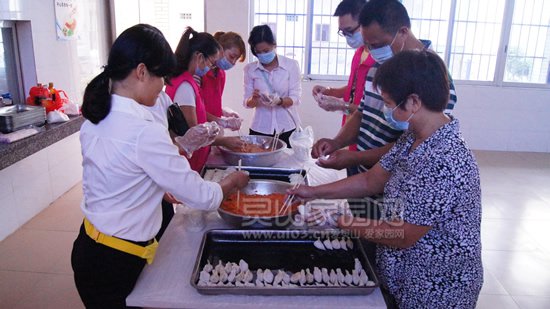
(265, 158)
(257, 209)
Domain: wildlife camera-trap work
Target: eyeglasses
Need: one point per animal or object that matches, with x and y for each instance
(348, 33)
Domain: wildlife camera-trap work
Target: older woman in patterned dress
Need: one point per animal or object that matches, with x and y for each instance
(429, 248)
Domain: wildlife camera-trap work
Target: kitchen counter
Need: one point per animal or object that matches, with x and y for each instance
(166, 282)
(52, 133)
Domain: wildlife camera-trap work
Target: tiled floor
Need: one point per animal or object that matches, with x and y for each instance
(35, 271)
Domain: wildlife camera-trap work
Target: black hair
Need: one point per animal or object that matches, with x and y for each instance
(420, 72)
(141, 43)
(191, 42)
(260, 34)
(391, 15)
(352, 7)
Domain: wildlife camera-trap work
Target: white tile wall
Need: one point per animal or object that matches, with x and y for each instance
(30, 185)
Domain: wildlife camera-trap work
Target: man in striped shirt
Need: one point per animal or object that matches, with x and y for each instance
(385, 27)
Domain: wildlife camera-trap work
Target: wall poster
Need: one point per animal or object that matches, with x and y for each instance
(66, 16)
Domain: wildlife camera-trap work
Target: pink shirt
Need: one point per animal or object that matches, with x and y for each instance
(211, 91)
(200, 155)
(356, 81)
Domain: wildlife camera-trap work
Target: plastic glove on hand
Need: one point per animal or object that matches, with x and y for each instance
(317, 90)
(228, 112)
(270, 100)
(331, 104)
(198, 136)
(231, 123)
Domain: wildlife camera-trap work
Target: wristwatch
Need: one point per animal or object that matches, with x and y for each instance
(347, 111)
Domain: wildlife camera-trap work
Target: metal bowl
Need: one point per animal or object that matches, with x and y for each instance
(262, 187)
(232, 157)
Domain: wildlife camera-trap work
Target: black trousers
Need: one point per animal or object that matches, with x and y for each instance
(104, 277)
(284, 136)
(167, 214)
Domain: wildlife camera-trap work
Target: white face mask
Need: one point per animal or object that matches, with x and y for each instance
(355, 41)
(383, 53)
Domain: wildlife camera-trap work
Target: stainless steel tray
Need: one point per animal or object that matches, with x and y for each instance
(15, 117)
(291, 250)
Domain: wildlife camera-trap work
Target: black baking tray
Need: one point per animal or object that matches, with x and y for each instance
(291, 250)
(269, 173)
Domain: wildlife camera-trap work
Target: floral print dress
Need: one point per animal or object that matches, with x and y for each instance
(437, 185)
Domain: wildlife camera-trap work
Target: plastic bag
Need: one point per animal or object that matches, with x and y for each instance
(301, 142)
(56, 116)
(198, 136)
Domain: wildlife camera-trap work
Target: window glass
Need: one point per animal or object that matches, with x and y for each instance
(468, 34)
(328, 53)
(171, 17)
(9, 73)
(528, 50)
(476, 39)
(287, 19)
(93, 43)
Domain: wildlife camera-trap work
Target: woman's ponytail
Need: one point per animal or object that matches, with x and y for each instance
(183, 51)
(97, 99)
(141, 43)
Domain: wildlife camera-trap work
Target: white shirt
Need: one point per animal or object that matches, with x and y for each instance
(129, 162)
(285, 81)
(185, 95)
(160, 109)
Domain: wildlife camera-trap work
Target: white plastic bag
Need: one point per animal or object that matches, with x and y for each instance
(56, 116)
(301, 142)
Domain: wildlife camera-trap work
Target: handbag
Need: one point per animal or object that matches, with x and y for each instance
(176, 121)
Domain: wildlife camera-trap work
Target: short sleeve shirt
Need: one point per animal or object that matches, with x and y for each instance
(375, 132)
(437, 185)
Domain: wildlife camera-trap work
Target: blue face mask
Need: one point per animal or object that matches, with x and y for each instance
(266, 58)
(201, 72)
(383, 53)
(355, 41)
(224, 64)
(396, 124)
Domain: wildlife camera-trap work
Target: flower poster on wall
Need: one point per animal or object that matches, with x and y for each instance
(66, 16)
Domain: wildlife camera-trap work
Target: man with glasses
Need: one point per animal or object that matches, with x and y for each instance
(347, 98)
(386, 30)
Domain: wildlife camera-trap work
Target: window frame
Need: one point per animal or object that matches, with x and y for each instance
(307, 47)
(17, 94)
(501, 54)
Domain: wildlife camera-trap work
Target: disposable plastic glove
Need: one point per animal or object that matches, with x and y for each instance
(270, 100)
(331, 104)
(228, 112)
(198, 136)
(231, 123)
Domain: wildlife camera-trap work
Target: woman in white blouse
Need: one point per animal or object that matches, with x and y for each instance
(271, 86)
(129, 162)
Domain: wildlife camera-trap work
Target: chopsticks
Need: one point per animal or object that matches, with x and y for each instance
(239, 190)
(288, 200)
(275, 140)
